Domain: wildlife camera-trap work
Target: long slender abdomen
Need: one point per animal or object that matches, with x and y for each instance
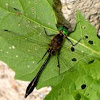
(34, 82)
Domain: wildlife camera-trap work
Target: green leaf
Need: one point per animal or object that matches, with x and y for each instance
(22, 39)
(84, 51)
(50, 2)
(86, 75)
(36, 11)
(84, 70)
(84, 28)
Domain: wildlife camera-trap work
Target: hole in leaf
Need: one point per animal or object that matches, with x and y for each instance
(90, 62)
(72, 49)
(98, 36)
(6, 30)
(86, 37)
(74, 59)
(90, 42)
(83, 86)
(77, 97)
(84, 27)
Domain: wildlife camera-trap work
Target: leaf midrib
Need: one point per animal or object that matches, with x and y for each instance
(94, 51)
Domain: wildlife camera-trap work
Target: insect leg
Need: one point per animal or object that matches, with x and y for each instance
(74, 27)
(43, 56)
(58, 54)
(47, 33)
(72, 42)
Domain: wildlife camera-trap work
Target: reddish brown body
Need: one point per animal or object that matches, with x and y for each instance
(56, 43)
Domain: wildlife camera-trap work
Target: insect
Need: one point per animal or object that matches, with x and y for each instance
(54, 48)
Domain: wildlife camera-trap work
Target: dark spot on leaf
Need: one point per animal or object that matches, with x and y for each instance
(90, 61)
(35, 2)
(16, 9)
(87, 94)
(86, 37)
(5, 30)
(84, 27)
(74, 59)
(72, 49)
(90, 42)
(59, 93)
(83, 86)
(77, 97)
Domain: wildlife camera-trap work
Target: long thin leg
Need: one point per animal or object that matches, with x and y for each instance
(16, 9)
(34, 82)
(43, 56)
(58, 61)
(74, 28)
(72, 42)
(48, 34)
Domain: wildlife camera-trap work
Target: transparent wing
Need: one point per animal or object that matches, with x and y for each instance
(69, 58)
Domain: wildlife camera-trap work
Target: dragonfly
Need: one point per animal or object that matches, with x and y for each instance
(55, 46)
